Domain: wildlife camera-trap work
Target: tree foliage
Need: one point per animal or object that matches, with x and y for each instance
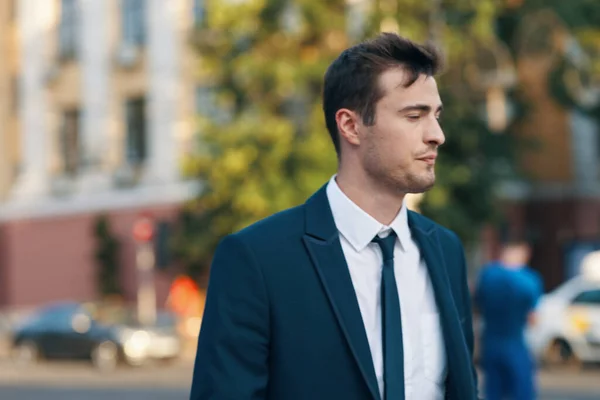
(263, 145)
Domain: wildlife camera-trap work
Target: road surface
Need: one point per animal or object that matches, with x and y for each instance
(79, 381)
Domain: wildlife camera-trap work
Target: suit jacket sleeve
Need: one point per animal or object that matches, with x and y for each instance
(231, 359)
(467, 324)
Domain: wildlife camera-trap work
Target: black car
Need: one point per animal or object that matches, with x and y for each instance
(76, 331)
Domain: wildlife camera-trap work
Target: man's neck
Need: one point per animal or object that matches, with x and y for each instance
(370, 197)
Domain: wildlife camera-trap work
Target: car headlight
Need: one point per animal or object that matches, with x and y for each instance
(135, 342)
(580, 323)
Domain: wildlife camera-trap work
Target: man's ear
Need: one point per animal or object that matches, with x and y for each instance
(347, 123)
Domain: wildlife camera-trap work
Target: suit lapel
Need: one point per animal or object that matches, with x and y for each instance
(458, 358)
(323, 245)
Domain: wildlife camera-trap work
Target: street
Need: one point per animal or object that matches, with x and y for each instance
(74, 381)
(53, 393)
(79, 381)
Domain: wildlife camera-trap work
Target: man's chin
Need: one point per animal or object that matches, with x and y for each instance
(422, 186)
(420, 190)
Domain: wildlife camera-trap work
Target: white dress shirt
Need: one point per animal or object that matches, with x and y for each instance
(424, 353)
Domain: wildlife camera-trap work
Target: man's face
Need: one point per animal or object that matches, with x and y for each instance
(515, 255)
(400, 149)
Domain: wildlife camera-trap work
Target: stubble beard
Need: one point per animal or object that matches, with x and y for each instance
(422, 183)
(395, 180)
(402, 182)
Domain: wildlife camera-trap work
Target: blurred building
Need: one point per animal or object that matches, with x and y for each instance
(97, 105)
(558, 208)
(9, 96)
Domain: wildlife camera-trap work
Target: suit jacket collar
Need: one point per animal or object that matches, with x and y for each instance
(323, 245)
(321, 225)
(459, 383)
(357, 226)
(324, 248)
(319, 218)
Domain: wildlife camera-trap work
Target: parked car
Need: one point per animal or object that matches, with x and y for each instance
(82, 331)
(567, 326)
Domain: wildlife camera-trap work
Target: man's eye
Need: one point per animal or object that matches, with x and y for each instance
(413, 117)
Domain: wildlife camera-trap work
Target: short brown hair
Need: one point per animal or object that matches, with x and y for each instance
(351, 81)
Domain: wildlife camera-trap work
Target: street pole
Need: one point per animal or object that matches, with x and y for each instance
(435, 23)
(146, 294)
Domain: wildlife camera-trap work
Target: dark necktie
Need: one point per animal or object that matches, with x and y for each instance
(391, 323)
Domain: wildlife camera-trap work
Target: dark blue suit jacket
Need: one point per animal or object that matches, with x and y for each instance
(282, 321)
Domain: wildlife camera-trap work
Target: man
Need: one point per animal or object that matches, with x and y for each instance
(350, 295)
(506, 296)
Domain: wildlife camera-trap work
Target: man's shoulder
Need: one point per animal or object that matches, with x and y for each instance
(533, 276)
(289, 222)
(492, 269)
(428, 224)
(533, 273)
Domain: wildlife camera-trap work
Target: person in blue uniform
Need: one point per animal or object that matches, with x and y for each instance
(506, 296)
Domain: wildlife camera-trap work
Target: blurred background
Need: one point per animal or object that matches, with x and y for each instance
(134, 134)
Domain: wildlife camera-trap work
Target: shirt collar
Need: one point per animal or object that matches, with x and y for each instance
(357, 226)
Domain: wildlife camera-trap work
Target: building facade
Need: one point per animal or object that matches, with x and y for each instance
(9, 96)
(558, 208)
(96, 115)
(97, 105)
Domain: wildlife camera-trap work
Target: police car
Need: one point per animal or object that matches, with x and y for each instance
(566, 330)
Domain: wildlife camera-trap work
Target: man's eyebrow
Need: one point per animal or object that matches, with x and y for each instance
(421, 107)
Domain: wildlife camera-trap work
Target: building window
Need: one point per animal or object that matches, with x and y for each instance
(69, 141)
(198, 12)
(68, 29)
(134, 22)
(136, 131)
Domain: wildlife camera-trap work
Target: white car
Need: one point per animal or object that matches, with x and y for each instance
(567, 324)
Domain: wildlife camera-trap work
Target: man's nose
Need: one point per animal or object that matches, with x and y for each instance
(435, 134)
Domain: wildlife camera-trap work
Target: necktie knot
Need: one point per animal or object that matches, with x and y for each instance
(386, 245)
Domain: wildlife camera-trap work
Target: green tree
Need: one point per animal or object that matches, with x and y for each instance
(474, 159)
(263, 145)
(107, 258)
